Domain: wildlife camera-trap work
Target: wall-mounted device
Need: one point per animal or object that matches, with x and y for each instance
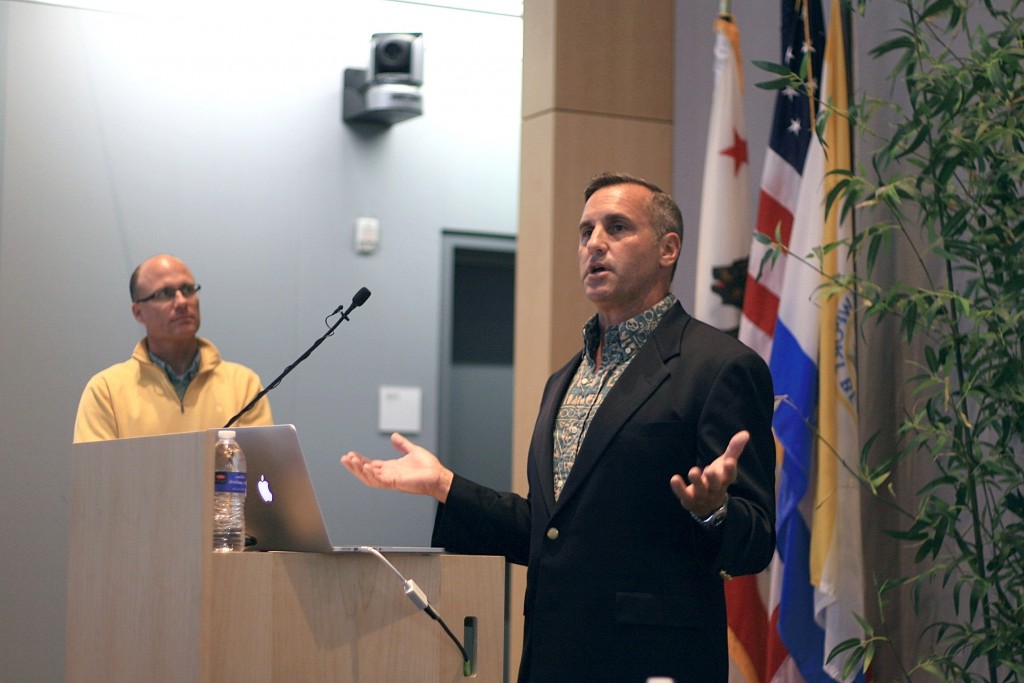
(388, 91)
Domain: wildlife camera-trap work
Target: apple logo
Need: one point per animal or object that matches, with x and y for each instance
(263, 486)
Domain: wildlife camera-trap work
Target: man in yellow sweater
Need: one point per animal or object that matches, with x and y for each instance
(175, 381)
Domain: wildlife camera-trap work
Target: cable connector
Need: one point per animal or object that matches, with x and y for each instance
(416, 595)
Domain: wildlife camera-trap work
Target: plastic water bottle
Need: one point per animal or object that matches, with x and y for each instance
(228, 494)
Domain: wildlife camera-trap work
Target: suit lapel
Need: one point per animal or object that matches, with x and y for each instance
(647, 371)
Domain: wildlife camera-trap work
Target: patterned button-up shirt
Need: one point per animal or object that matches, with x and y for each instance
(592, 382)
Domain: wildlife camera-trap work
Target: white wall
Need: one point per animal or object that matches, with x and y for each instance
(219, 139)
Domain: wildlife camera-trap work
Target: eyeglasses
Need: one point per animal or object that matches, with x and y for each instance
(169, 293)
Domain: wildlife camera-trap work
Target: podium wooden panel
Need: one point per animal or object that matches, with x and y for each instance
(148, 599)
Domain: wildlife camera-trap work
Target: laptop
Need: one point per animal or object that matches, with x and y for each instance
(281, 508)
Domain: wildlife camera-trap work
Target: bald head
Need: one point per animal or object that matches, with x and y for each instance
(165, 301)
(158, 261)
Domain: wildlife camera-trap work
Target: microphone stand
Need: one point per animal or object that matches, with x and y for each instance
(358, 300)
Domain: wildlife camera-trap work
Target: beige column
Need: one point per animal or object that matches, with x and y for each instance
(597, 96)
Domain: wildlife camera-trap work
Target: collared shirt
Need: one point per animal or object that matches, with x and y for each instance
(592, 383)
(179, 382)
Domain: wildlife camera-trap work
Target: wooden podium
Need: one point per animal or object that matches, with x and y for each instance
(148, 600)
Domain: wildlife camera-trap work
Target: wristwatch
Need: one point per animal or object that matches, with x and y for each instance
(715, 518)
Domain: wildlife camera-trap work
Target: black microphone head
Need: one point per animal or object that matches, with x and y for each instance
(361, 296)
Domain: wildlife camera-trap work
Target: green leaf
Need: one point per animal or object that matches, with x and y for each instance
(775, 84)
(901, 43)
(772, 67)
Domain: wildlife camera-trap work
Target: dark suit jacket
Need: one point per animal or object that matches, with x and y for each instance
(622, 583)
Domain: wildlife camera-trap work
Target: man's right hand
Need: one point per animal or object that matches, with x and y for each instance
(417, 471)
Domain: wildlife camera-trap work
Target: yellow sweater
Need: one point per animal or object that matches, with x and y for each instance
(135, 398)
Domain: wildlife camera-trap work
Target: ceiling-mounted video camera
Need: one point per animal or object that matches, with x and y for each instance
(388, 91)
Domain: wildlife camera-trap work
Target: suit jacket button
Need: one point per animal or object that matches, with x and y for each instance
(552, 533)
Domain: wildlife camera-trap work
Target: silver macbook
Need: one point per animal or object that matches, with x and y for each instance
(281, 508)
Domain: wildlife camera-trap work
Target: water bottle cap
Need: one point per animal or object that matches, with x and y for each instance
(226, 434)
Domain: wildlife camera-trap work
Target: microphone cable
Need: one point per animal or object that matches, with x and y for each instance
(419, 599)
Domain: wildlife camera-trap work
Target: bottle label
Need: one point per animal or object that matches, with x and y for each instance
(229, 482)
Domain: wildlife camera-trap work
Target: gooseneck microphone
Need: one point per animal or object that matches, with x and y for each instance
(358, 300)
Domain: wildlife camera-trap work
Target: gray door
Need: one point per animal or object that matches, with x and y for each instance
(475, 407)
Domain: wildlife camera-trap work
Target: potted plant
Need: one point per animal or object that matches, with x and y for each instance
(944, 184)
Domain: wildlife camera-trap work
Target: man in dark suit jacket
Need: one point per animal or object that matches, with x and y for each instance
(626, 558)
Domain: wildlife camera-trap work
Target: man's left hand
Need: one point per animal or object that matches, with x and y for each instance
(706, 490)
